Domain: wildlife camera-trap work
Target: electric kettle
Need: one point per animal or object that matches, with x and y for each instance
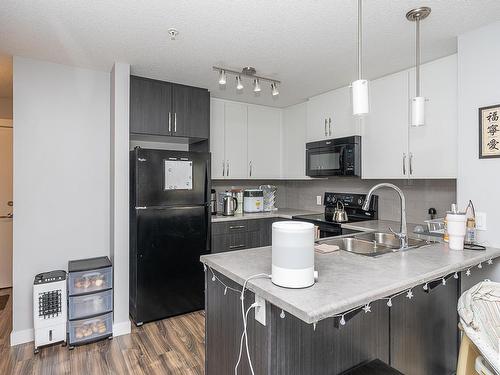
(340, 216)
(229, 205)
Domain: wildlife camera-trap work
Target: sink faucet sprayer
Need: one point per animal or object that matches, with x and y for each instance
(403, 232)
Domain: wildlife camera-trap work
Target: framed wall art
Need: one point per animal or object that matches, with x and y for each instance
(489, 132)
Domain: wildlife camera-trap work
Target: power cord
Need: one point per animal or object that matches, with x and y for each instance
(244, 315)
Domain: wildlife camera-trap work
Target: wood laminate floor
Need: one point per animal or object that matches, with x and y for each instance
(170, 346)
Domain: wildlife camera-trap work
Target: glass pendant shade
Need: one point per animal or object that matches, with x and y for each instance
(222, 77)
(418, 111)
(360, 99)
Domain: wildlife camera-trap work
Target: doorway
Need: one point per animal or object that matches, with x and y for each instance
(6, 166)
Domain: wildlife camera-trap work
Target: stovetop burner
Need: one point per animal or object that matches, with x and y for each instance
(353, 206)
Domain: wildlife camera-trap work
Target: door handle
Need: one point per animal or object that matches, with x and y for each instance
(330, 126)
(237, 227)
(404, 164)
(326, 127)
(169, 122)
(250, 168)
(237, 246)
(175, 122)
(8, 216)
(227, 170)
(411, 163)
(223, 168)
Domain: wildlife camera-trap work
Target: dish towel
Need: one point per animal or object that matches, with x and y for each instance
(325, 248)
(479, 310)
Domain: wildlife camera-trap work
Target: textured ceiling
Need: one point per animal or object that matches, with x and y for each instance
(309, 45)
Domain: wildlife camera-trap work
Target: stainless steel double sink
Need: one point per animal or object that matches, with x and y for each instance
(373, 243)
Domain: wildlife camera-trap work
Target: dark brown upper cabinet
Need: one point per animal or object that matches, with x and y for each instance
(168, 109)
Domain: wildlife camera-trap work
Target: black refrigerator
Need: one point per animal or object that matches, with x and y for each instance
(169, 229)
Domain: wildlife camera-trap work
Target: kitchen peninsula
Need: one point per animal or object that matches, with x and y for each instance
(324, 329)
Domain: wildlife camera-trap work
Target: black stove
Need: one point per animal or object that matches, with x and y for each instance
(353, 206)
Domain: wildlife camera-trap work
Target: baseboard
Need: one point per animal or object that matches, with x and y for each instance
(21, 337)
(121, 328)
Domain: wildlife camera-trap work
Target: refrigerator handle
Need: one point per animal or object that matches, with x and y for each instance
(208, 211)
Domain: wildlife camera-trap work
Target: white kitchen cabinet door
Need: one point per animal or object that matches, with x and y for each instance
(235, 140)
(318, 109)
(294, 141)
(217, 138)
(343, 123)
(433, 147)
(385, 129)
(264, 142)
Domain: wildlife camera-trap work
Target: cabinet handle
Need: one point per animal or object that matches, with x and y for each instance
(223, 168)
(237, 227)
(330, 126)
(411, 163)
(227, 170)
(326, 127)
(250, 168)
(404, 164)
(237, 246)
(175, 122)
(169, 122)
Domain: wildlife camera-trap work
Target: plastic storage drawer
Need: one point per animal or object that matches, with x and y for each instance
(84, 282)
(90, 304)
(91, 329)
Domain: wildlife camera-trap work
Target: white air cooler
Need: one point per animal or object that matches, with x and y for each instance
(49, 308)
(293, 254)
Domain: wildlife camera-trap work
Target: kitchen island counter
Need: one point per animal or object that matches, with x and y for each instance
(347, 280)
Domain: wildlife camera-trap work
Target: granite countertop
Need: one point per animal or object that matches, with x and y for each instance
(347, 280)
(285, 213)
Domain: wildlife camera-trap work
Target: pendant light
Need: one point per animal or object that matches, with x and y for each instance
(360, 101)
(418, 102)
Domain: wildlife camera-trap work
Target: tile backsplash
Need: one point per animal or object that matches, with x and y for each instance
(420, 194)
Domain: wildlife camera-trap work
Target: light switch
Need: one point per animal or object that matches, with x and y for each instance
(481, 221)
(318, 200)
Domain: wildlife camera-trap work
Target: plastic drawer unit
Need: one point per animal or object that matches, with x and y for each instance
(90, 300)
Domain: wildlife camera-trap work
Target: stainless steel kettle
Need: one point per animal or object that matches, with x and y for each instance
(339, 215)
(230, 205)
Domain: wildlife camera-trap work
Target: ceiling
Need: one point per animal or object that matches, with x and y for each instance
(309, 45)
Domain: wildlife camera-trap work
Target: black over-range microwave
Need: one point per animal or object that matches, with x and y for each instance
(334, 157)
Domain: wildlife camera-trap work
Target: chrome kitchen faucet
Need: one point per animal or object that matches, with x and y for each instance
(403, 231)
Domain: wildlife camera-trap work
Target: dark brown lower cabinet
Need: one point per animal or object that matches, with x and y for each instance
(416, 337)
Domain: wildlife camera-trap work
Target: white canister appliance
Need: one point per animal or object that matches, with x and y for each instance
(293, 254)
(253, 200)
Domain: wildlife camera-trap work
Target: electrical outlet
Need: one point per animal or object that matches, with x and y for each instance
(260, 311)
(318, 200)
(481, 221)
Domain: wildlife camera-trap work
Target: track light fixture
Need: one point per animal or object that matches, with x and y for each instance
(256, 85)
(239, 85)
(222, 77)
(418, 102)
(249, 72)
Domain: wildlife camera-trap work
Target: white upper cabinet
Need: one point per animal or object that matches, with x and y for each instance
(385, 129)
(433, 147)
(235, 140)
(264, 142)
(294, 141)
(217, 138)
(329, 115)
(394, 149)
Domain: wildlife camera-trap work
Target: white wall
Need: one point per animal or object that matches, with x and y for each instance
(119, 195)
(479, 179)
(61, 174)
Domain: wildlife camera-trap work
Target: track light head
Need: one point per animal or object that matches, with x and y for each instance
(239, 84)
(256, 85)
(274, 89)
(222, 77)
